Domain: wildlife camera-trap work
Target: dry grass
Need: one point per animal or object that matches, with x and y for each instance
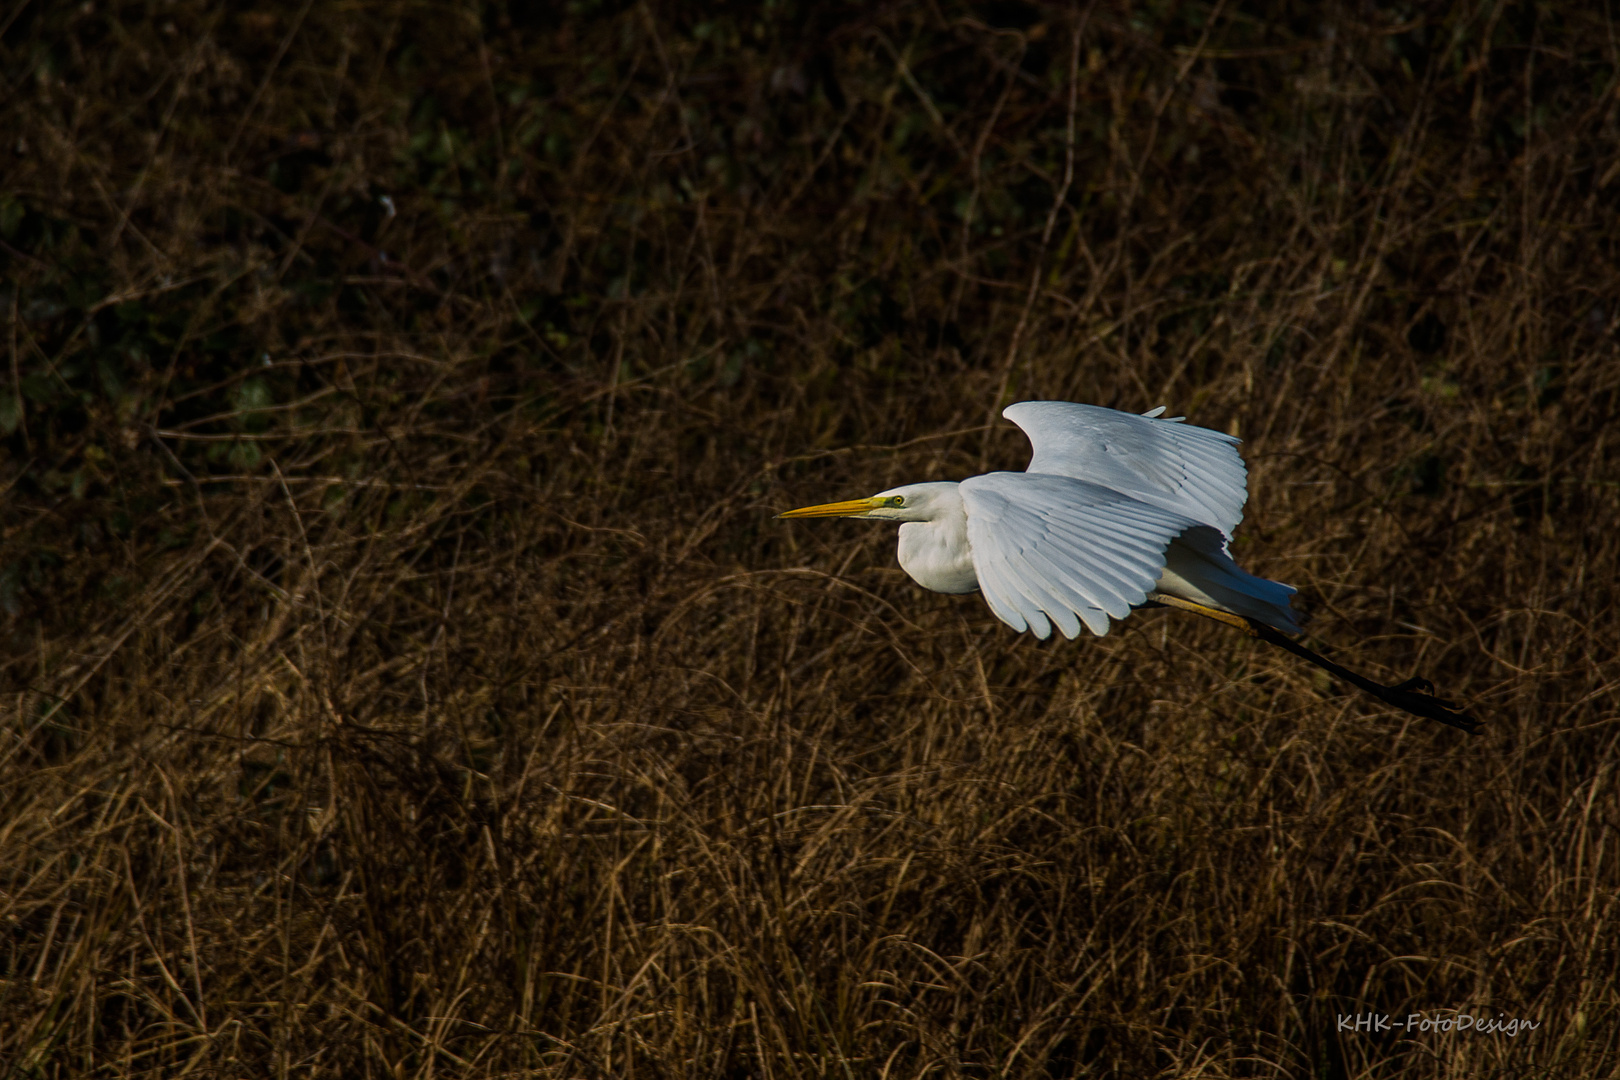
(402, 673)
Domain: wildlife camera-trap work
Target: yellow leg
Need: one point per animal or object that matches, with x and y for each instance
(1207, 612)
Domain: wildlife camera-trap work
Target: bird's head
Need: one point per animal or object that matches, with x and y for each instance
(914, 502)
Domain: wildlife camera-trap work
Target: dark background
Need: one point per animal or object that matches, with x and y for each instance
(402, 675)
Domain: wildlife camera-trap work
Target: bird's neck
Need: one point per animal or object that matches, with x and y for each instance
(935, 552)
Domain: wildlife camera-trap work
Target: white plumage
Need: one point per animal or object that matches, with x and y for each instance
(1060, 549)
(1163, 462)
(1114, 510)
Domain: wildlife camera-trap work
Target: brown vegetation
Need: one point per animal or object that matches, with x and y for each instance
(403, 675)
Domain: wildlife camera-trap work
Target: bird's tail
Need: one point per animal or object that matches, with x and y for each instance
(1197, 568)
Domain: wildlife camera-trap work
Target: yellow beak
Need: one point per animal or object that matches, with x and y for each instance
(837, 509)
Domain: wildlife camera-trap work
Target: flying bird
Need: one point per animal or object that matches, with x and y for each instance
(1116, 511)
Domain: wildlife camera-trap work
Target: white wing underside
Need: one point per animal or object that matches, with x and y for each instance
(1191, 471)
(1051, 549)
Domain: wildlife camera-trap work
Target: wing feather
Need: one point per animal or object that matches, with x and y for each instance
(1108, 585)
(1111, 575)
(1058, 550)
(1058, 583)
(1073, 592)
(999, 595)
(1050, 594)
(1116, 561)
(1029, 610)
(1177, 467)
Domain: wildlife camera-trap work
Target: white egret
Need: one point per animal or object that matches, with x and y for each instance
(1116, 511)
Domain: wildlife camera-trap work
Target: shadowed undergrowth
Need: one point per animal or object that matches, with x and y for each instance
(403, 675)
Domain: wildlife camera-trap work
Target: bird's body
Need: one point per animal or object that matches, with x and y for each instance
(1115, 509)
(935, 551)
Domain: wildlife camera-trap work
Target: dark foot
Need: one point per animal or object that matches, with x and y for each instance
(1416, 696)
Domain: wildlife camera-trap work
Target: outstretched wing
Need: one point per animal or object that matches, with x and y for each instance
(1053, 549)
(1171, 465)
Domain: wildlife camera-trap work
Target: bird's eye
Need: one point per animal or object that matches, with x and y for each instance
(897, 500)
